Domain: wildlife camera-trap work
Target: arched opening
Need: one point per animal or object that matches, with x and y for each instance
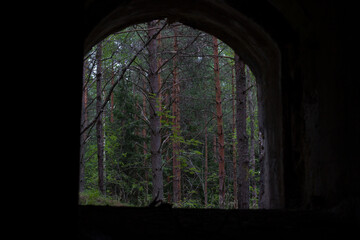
(251, 43)
(311, 142)
(197, 77)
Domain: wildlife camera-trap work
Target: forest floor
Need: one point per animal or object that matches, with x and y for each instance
(93, 198)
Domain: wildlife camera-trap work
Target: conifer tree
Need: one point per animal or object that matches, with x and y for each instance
(99, 122)
(220, 131)
(155, 137)
(242, 138)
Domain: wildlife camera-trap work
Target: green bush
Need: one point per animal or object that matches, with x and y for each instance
(94, 197)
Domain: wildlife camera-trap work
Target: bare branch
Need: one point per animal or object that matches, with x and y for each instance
(119, 79)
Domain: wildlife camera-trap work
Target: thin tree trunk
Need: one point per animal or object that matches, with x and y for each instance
(251, 107)
(168, 150)
(84, 135)
(176, 126)
(104, 142)
(99, 125)
(159, 64)
(145, 148)
(220, 131)
(261, 142)
(234, 139)
(215, 149)
(112, 94)
(206, 162)
(121, 75)
(242, 139)
(155, 137)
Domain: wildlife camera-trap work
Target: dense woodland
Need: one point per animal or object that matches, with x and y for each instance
(168, 113)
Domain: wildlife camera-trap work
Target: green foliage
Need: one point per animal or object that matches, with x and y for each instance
(128, 176)
(94, 197)
(190, 203)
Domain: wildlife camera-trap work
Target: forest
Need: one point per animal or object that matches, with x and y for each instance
(169, 114)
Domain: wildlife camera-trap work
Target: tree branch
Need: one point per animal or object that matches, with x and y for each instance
(119, 79)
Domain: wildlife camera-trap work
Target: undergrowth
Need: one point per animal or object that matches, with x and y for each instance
(91, 197)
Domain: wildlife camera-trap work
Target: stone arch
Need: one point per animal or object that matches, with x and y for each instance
(252, 44)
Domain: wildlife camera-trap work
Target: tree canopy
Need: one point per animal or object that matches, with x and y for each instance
(185, 104)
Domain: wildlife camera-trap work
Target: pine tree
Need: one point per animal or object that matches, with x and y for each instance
(83, 135)
(142, 106)
(155, 137)
(206, 172)
(234, 152)
(251, 109)
(99, 122)
(220, 131)
(242, 138)
(176, 126)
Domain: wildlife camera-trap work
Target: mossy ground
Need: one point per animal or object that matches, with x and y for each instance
(95, 198)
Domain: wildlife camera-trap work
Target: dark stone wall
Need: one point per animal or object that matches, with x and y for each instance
(321, 162)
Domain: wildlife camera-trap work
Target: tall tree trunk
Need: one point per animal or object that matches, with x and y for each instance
(215, 149)
(234, 139)
(99, 125)
(242, 139)
(220, 131)
(206, 161)
(155, 137)
(145, 147)
(159, 63)
(83, 135)
(168, 159)
(251, 106)
(176, 127)
(261, 143)
(112, 93)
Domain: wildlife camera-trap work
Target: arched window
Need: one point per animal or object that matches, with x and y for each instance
(247, 39)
